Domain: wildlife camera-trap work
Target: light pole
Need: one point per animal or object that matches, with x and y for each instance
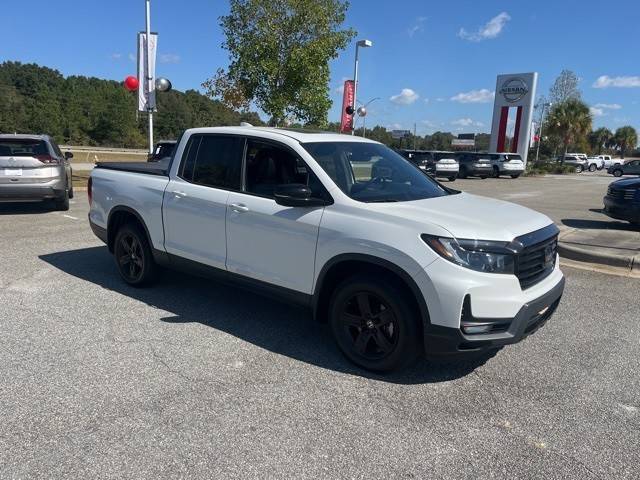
(364, 44)
(540, 129)
(362, 112)
(149, 78)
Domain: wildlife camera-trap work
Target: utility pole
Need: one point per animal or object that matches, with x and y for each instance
(414, 136)
(364, 44)
(149, 78)
(540, 129)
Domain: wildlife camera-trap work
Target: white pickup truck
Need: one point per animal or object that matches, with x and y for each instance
(397, 264)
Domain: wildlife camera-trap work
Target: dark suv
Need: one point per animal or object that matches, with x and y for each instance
(435, 163)
(622, 201)
(474, 164)
(630, 168)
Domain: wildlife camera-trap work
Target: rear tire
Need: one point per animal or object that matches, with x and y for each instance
(62, 203)
(463, 172)
(496, 172)
(515, 176)
(133, 256)
(452, 179)
(579, 169)
(617, 173)
(592, 167)
(373, 324)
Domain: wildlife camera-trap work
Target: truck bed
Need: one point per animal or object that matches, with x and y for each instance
(150, 168)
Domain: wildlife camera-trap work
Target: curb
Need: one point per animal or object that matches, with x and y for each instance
(628, 263)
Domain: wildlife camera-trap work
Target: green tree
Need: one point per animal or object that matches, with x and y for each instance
(626, 138)
(600, 138)
(570, 121)
(280, 52)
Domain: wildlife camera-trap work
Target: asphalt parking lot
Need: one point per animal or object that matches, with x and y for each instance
(193, 378)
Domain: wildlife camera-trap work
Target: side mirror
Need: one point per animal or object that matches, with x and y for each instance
(68, 155)
(296, 195)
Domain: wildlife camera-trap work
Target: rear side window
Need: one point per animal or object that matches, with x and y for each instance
(213, 160)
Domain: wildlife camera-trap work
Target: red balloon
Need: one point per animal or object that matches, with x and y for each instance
(131, 83)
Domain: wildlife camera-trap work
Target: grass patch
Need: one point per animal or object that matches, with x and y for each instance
(538, 169)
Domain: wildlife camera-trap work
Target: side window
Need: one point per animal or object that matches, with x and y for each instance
(268, 166)
(189, 158)
(218, 161)
(56, 149)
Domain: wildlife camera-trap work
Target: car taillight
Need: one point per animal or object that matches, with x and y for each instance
(90, 190)
(47, 159)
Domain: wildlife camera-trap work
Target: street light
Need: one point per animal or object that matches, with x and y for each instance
(363, 44)
(362, 112)
(540, 129)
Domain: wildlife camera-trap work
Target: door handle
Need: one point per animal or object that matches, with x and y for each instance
(179, 194)
(239, 207)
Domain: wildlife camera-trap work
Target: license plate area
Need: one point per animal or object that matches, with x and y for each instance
(13, 172)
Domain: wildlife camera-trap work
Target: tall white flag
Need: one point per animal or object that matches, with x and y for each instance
(147, 89)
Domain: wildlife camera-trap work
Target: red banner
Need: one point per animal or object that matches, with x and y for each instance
(346, 122)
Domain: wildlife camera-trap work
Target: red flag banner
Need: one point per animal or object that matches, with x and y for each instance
(346, 122)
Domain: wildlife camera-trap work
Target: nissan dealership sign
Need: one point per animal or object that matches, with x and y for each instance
(514, 89)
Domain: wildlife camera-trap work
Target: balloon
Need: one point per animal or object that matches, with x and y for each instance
(131, 83)
(163, 84)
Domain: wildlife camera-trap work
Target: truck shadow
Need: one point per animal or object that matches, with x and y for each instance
(599, 224)
(26, 208)
(264, 322)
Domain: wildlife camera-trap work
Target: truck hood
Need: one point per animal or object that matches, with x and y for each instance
(469, 216)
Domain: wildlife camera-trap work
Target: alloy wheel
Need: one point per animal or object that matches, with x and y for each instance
(130, 257)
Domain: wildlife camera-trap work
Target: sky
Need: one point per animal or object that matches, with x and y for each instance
(433, 64)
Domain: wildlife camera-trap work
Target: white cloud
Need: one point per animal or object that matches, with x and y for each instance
(608, 106)
(169, 58)
(405, 97)
(474, 96)
(605, 81)
(418, 26)
(467, 122)
(115, 56)
(596, 112)
(440, 99)
(491, 29)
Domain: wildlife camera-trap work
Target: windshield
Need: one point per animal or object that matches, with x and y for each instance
(22, 148)
(371, 172)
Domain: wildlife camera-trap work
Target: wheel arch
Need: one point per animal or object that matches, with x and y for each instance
(120, 215)
(344, 265)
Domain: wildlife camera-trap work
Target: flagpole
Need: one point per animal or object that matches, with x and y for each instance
(149, 76)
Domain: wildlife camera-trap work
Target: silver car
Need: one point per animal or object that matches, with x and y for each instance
(32, 168)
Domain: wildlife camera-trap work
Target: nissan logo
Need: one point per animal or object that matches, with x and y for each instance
(514, 89)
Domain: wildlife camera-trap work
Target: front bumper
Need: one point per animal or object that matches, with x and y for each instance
(440, 340)
(621, 210)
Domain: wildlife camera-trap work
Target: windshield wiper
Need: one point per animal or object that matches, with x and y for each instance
(382, 200)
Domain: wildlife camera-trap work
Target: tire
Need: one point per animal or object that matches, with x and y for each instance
(579, 169)
(484, 177)
(62, 203)
(462, 173)
(617, 172)
(496, 172)
(373, 340)
(133, 256)
(71, 193)
(514, 176)
(592, 167)
(452, 179)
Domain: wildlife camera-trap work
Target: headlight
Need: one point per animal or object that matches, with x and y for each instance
(478, 255)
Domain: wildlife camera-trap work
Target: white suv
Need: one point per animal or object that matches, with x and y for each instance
(395, 262)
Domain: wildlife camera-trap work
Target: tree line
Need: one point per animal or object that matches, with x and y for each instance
(79, 110)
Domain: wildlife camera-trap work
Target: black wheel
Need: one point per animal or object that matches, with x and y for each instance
(592, 167)
(579, 169)
(515, 176)
(617, 173)
(70, 183)
(452, 179)
(462, 173)
(483, 177)
(62, 203)
(373, 324)
(133, 256)
(496, 172)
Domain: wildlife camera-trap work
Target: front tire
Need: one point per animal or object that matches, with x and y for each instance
(579, 169)
(373, 324)
(617, 173)
(514, 176)
(592, 167)
(133, 256)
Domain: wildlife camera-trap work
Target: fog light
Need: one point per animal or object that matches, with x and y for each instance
(477, 328)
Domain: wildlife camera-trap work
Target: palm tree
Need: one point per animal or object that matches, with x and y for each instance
(570, 121)
(626, 137)
(600, 138)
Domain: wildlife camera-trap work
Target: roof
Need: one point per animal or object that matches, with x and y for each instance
(302, 136)
(23, 136)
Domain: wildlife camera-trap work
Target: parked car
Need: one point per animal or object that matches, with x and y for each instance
(163, 149)
(505, 164)
(579, 163)
(395, 262)
(595, 163)
(609, 161)
(631, 167)
(33, 169)
(436, 163)
(473, 165)
(622, 201)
